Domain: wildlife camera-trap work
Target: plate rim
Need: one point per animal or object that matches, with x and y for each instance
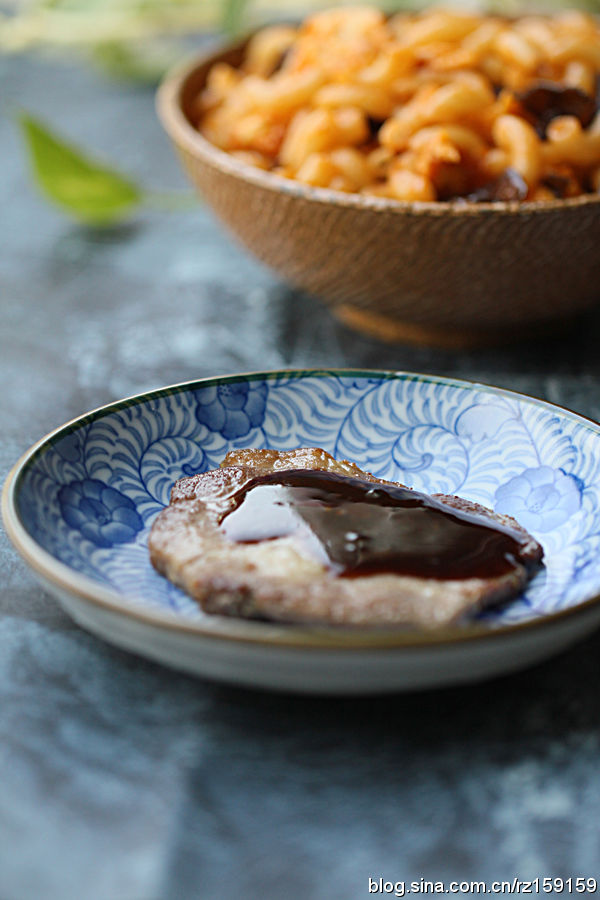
(230, 629)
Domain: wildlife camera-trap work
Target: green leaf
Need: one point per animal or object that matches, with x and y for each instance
(85, 189)
(232, 16)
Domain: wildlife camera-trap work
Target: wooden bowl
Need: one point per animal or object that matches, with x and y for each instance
(444, 273)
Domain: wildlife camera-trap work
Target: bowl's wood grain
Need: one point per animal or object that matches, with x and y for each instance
(445, 273)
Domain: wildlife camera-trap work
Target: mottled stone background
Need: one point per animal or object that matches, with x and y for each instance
(120, 780)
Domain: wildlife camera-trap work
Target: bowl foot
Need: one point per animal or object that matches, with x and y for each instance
(395, 331)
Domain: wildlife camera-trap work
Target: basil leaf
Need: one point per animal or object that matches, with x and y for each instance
(87, 190)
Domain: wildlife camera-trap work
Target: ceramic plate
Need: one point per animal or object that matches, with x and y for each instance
(79, 505)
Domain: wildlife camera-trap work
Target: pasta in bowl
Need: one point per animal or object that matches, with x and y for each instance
(434, 176)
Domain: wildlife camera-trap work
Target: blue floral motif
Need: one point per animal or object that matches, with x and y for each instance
(102, 514)
(541, 499)
(232, 409)
(70, 447)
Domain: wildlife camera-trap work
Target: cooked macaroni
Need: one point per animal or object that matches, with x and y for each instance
(433, 106)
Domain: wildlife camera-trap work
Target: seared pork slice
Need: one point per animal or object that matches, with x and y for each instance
(284, 574)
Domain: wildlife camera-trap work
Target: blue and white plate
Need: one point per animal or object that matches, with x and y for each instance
(80, 503)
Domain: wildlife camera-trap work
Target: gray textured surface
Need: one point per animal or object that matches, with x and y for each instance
(120, 780)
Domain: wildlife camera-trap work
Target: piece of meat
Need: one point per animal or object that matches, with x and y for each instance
(273, 579)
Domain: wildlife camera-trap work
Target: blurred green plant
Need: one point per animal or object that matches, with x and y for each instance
(88, 190)
(130, 39)
(83, 187)
(133, 39)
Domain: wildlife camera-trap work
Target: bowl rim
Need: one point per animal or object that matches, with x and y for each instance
(177, 125)
(61, 577)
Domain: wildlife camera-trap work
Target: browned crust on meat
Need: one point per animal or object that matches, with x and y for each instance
(530, 551)
(274, 580)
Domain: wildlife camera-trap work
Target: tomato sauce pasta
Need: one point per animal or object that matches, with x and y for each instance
(417, 107)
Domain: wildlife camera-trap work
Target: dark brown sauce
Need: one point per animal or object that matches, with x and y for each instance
(358, 527)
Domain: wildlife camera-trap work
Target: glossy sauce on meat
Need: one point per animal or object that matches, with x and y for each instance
(357, 527)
